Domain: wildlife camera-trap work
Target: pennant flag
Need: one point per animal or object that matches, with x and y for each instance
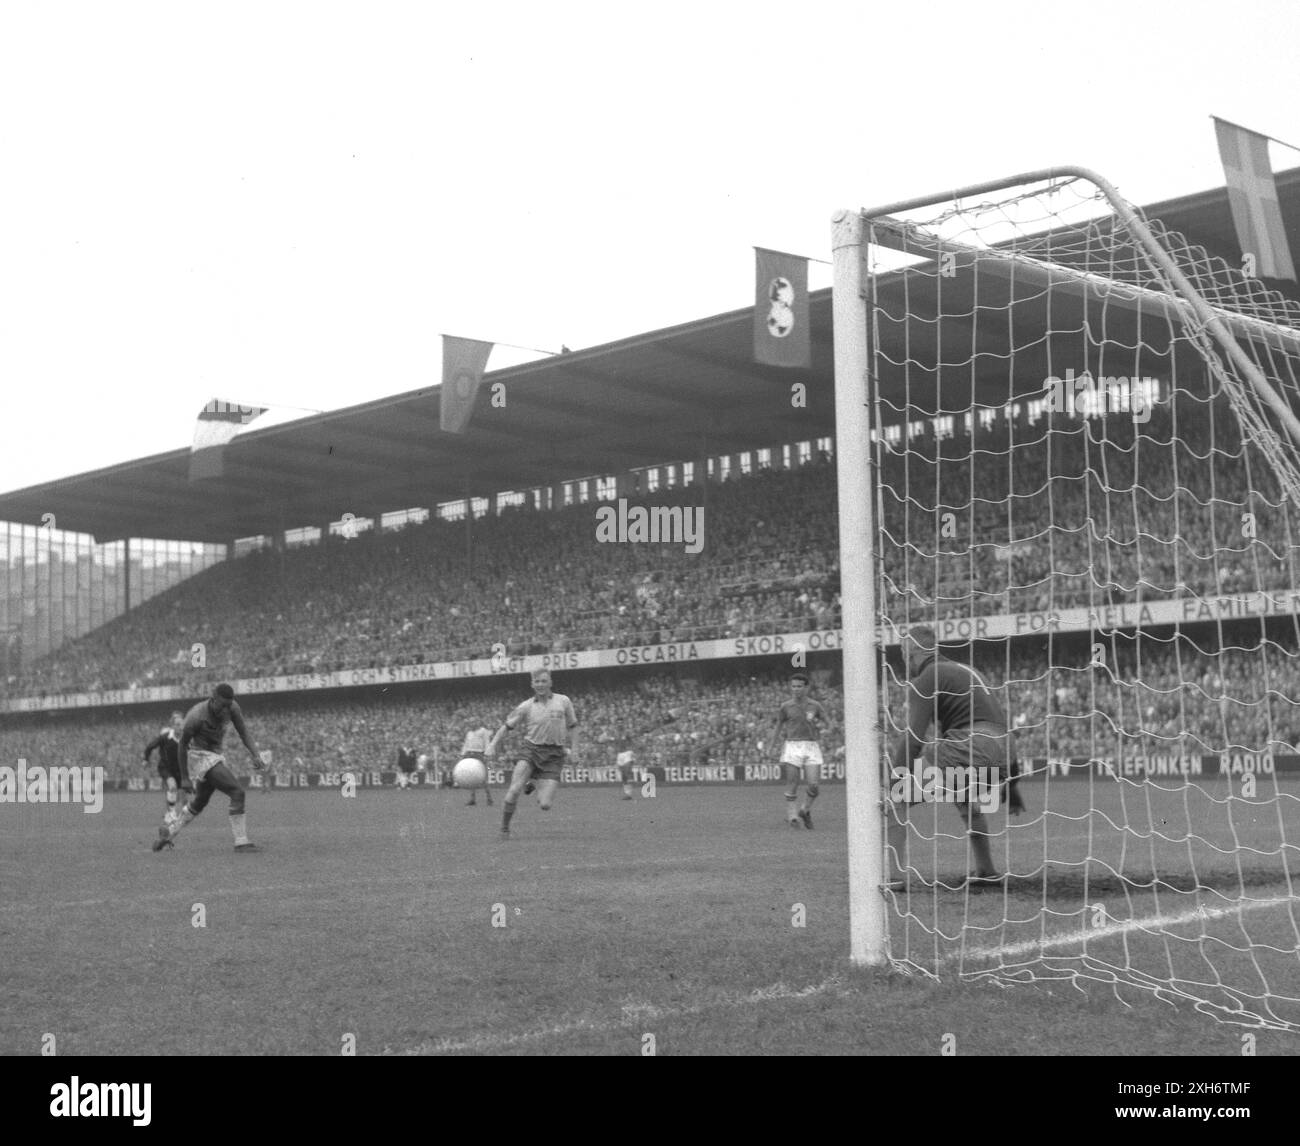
(1253, 197)
(781, 334)
(218, 422)
(463, 363)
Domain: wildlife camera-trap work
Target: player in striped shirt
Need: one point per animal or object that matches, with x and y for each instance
(478, 746)
(168, 744)
(547, 721)
(797, 731)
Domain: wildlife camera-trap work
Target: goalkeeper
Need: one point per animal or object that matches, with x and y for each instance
(972, 732)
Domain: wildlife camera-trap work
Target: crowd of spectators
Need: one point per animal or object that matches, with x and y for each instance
(531, 582)
(1152, 698)
(726, 720)
(1031, 516)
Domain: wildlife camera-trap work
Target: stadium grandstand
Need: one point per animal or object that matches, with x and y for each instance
(367, 541)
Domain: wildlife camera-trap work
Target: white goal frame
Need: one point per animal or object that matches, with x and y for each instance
(864, 748)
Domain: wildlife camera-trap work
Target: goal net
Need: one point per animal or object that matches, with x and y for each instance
(1084, 481)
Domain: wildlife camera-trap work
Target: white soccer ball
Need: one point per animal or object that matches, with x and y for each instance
(469, 773)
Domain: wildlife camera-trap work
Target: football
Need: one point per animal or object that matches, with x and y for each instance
(469, 773)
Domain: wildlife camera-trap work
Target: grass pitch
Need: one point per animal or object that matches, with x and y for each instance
(399, 921)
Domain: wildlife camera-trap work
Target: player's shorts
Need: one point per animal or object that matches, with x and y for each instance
(980, 746)
(202, 762)
(546, 759)
(802, 752)
(166, 770)
(409, 769)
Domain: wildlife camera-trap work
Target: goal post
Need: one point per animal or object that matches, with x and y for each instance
(858, 641)
(1067, 443)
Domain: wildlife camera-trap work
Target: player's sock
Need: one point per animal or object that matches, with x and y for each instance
(239, 826)
(507, 813)
(790, 798)
(979, 843)
(809, 796)
(179, 820)
(171, 801)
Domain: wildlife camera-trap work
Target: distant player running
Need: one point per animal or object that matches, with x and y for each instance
(547, 720)
(972, 728)
(406, 762)
(167, 742)
(796, 724)
(625, 761)
(205, 728)
(478, 746)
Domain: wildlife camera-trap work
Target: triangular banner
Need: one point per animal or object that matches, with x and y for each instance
(463, 362)
(218, 422)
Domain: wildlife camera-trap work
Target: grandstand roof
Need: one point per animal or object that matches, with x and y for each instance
(675, 393)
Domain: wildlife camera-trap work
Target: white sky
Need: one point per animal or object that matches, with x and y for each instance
(288, 202)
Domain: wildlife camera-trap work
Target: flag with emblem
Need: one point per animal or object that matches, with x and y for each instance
(781, 334)
(1252, 194)
(463, 363)
(218, 422)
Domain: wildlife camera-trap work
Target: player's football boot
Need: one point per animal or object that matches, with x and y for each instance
(806, 816)
(164, 840)
(530, 788)
(247, 848)
(793, 822)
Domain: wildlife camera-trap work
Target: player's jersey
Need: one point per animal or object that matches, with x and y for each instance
(406, 759)
(205, 731)
(544, 721)
(954, 696)
(799, 717)
(168, 745)
(476, 741)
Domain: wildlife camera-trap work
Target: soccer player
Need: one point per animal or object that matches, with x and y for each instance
(205, 727)
(625, 761)
(168, 744)
(972, 732)
(548, 720)
(405, 766)
(478, 746)
(796, 723)
(268, 773)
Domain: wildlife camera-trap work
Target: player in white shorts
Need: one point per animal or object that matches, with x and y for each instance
(203, 766)
(625, 762)
(475, 747)
(796, 728)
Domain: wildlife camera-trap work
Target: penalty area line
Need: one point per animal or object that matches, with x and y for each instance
(1149, 923)
(634, 1016)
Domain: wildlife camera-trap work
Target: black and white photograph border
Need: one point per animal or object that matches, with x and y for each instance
(709, 535)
